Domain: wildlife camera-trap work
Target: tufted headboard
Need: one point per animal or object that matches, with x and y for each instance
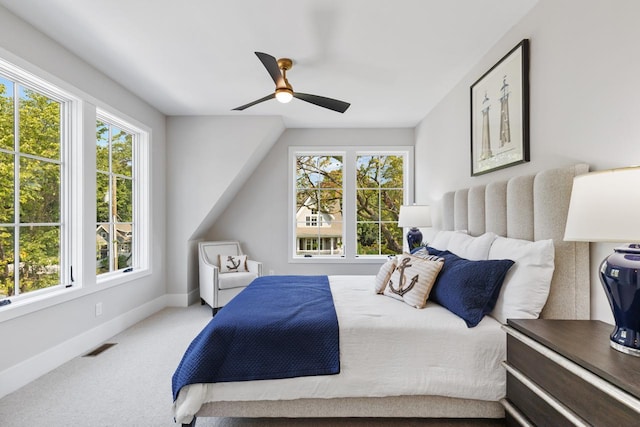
(530, 208)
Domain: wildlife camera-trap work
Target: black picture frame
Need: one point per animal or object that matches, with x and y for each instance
(500, 113)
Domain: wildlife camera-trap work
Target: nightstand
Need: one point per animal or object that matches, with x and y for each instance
(563, 372)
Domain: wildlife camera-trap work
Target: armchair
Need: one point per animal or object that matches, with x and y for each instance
(217, 288)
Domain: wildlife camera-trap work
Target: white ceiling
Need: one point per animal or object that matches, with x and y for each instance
(392, 60)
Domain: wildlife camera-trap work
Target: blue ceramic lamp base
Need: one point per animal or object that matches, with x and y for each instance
(414, 238)
(620, 277)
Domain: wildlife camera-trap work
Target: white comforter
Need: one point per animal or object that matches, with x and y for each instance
(387, 348)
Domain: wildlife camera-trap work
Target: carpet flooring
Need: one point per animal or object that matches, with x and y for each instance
(129, 384)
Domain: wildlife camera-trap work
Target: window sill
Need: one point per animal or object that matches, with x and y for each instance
(371, 259)
(31, 304)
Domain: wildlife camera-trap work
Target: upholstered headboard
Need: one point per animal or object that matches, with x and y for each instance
(530, 208)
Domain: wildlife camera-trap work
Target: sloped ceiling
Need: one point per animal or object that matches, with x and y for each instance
(392, 60)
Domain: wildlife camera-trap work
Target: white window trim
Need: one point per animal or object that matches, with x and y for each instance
(349, 214)
(142, 198)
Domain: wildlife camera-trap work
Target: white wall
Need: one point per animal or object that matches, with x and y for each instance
(584, 104)
(258, 216)
(210, 158)
(35, 342)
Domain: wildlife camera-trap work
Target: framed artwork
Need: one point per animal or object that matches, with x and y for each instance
(500, 113)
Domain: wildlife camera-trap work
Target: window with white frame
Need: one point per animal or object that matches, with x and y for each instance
(121, 196)
(36, 122)
(345, 202)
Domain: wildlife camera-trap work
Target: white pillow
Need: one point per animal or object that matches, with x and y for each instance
(442, 237)
(232, 263)
(526, 286)
(471, 248)
(412, 279)
(384, 274)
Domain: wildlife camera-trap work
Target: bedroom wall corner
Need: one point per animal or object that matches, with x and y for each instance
(210, 158)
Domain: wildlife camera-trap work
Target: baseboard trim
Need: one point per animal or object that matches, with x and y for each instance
(183, 300)
(19, 375)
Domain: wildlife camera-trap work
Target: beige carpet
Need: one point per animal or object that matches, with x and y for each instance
(129, 384)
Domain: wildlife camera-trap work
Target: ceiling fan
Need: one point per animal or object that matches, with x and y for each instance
(277, 69)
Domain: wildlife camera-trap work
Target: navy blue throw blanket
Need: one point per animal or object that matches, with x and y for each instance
(277, 327)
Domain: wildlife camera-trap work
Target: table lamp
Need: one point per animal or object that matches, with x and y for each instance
(414, 216)
(605, 207)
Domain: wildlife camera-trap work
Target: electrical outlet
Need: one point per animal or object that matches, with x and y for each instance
(98, 309)
(271, 272)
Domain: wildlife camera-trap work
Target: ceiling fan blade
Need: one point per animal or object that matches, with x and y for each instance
(251, 104)
(321, 101)
(271, 64)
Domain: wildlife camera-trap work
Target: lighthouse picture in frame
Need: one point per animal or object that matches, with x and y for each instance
(500, 113)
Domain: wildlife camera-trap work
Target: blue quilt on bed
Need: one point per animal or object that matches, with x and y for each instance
(277, 327)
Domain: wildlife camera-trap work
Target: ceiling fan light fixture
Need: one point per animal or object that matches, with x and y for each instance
(284, 94)
(277, 69)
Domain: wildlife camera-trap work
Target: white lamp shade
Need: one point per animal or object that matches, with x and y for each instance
(605, 207)
(414, 216)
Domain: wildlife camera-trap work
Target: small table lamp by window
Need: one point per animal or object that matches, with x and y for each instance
(414, 216)
(605, 207)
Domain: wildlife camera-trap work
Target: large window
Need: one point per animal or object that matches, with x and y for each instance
(345, 202)
(121, 197)
(34, 232)
(379, 195)
(319, 198)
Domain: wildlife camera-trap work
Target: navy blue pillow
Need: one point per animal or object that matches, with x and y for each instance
(467, 288)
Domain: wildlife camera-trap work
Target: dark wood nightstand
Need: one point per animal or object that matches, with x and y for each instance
(563, 372)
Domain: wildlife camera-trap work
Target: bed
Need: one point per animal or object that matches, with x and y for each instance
(373, 328)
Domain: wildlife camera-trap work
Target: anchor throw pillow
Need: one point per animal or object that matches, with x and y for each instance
(232, 263)
(413, 279)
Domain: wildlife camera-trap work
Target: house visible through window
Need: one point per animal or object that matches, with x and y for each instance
(347, 202)
(319, 225)
(34, 135)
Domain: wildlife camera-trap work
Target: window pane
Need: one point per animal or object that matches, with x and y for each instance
(7, 265)
(39, 125)
(368, 238)
(124, 199)
(391, 200)
(319, 172)
(367, 172)
(330, 202)
(102, 146)
(102, 248)
(39, 191)
(121, 153)
(391, 238)
(368, 205)
(7, 188)
(39, 257)
(305, 199)
(391, 171)
(6, 114)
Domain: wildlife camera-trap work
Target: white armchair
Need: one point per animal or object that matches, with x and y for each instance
(218, 288)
